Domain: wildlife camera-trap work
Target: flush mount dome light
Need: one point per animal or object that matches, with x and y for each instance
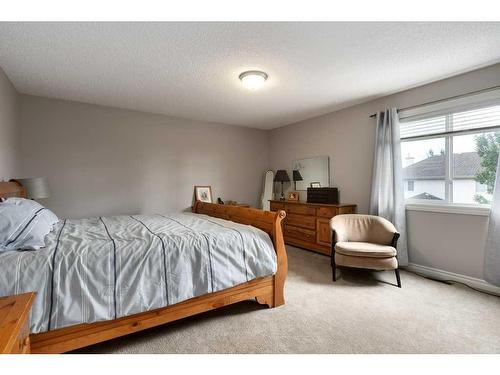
(253, 79)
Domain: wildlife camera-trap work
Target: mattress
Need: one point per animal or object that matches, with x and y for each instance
(105, 268)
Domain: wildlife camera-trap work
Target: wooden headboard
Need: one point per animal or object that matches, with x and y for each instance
(12, 189)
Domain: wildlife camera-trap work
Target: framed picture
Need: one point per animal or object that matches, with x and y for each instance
(315, 184)
(203, 193)
(293, 196)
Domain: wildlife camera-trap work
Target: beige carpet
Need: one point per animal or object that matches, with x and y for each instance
(357, 314)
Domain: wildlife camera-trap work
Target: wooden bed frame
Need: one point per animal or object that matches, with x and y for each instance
(266, 290)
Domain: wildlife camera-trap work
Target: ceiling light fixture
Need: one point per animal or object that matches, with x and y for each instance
(253, 79)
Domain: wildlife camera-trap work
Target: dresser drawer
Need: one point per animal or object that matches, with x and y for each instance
(323, 232)
(277, 206)
(302, 221)
(301, 209)
(299, 233)
(328, 212)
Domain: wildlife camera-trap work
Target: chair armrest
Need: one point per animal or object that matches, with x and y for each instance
(338, 234)
(395, 239)
(334, 238)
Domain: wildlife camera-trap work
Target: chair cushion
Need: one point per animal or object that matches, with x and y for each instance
(365, 249)
(369, 263)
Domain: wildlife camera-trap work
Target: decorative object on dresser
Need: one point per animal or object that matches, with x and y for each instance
(323, 195)
(14, 323)
(364, 241)
(307, 225)
(315, 184)
(294, 195)
(203, 194)
(315, 169)
(296, 177)
(281, 176)
(36, 187)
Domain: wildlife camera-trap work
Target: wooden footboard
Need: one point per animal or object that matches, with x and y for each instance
(266, 290)
(269, 222)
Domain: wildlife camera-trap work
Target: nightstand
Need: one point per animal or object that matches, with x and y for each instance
(15, 323)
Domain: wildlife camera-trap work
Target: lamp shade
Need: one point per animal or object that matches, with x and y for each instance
(297, 176)
(36, 187)
(281, 176)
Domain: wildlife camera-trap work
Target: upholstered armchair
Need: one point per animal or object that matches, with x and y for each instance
(364, 241)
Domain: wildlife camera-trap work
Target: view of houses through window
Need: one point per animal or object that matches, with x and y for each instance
(451, 158)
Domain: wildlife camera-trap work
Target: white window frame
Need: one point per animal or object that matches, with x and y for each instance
(447, 206)
(448, 152)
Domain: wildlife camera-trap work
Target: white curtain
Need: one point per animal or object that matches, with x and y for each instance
(492, 251)
(387, 195)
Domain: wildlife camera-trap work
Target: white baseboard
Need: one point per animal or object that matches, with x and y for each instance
(445, 275)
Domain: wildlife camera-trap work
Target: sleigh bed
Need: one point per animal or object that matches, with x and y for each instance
(140, 271)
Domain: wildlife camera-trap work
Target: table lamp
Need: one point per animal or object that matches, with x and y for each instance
(296, 177)
(36, 187)
(281, 176)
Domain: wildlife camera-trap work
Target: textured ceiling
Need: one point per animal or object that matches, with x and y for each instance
(191, 70)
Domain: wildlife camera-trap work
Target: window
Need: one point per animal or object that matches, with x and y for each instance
(451, 157)
(424, 166)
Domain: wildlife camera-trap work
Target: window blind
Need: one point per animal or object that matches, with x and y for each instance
(476, 119)
(453, 122)
(428, 126)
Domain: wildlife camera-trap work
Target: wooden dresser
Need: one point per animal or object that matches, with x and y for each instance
(307, 225)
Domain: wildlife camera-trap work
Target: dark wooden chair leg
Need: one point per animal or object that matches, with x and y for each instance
(334, 268)
(398, 279)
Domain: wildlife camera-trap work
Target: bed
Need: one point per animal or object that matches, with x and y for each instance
(105, 277)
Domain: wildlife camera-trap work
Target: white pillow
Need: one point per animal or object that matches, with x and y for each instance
(24, 224)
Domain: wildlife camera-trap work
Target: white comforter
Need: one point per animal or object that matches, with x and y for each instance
(108, 267)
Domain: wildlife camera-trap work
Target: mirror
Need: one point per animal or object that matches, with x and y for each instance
(314, 171)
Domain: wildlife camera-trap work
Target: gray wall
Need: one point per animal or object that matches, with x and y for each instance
(451, 242)
(104, 161)
(8, 127)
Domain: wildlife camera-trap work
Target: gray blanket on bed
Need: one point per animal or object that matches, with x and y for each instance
(108, 267)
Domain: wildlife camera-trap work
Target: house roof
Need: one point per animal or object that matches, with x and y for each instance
(426, 196)
(465, 165)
